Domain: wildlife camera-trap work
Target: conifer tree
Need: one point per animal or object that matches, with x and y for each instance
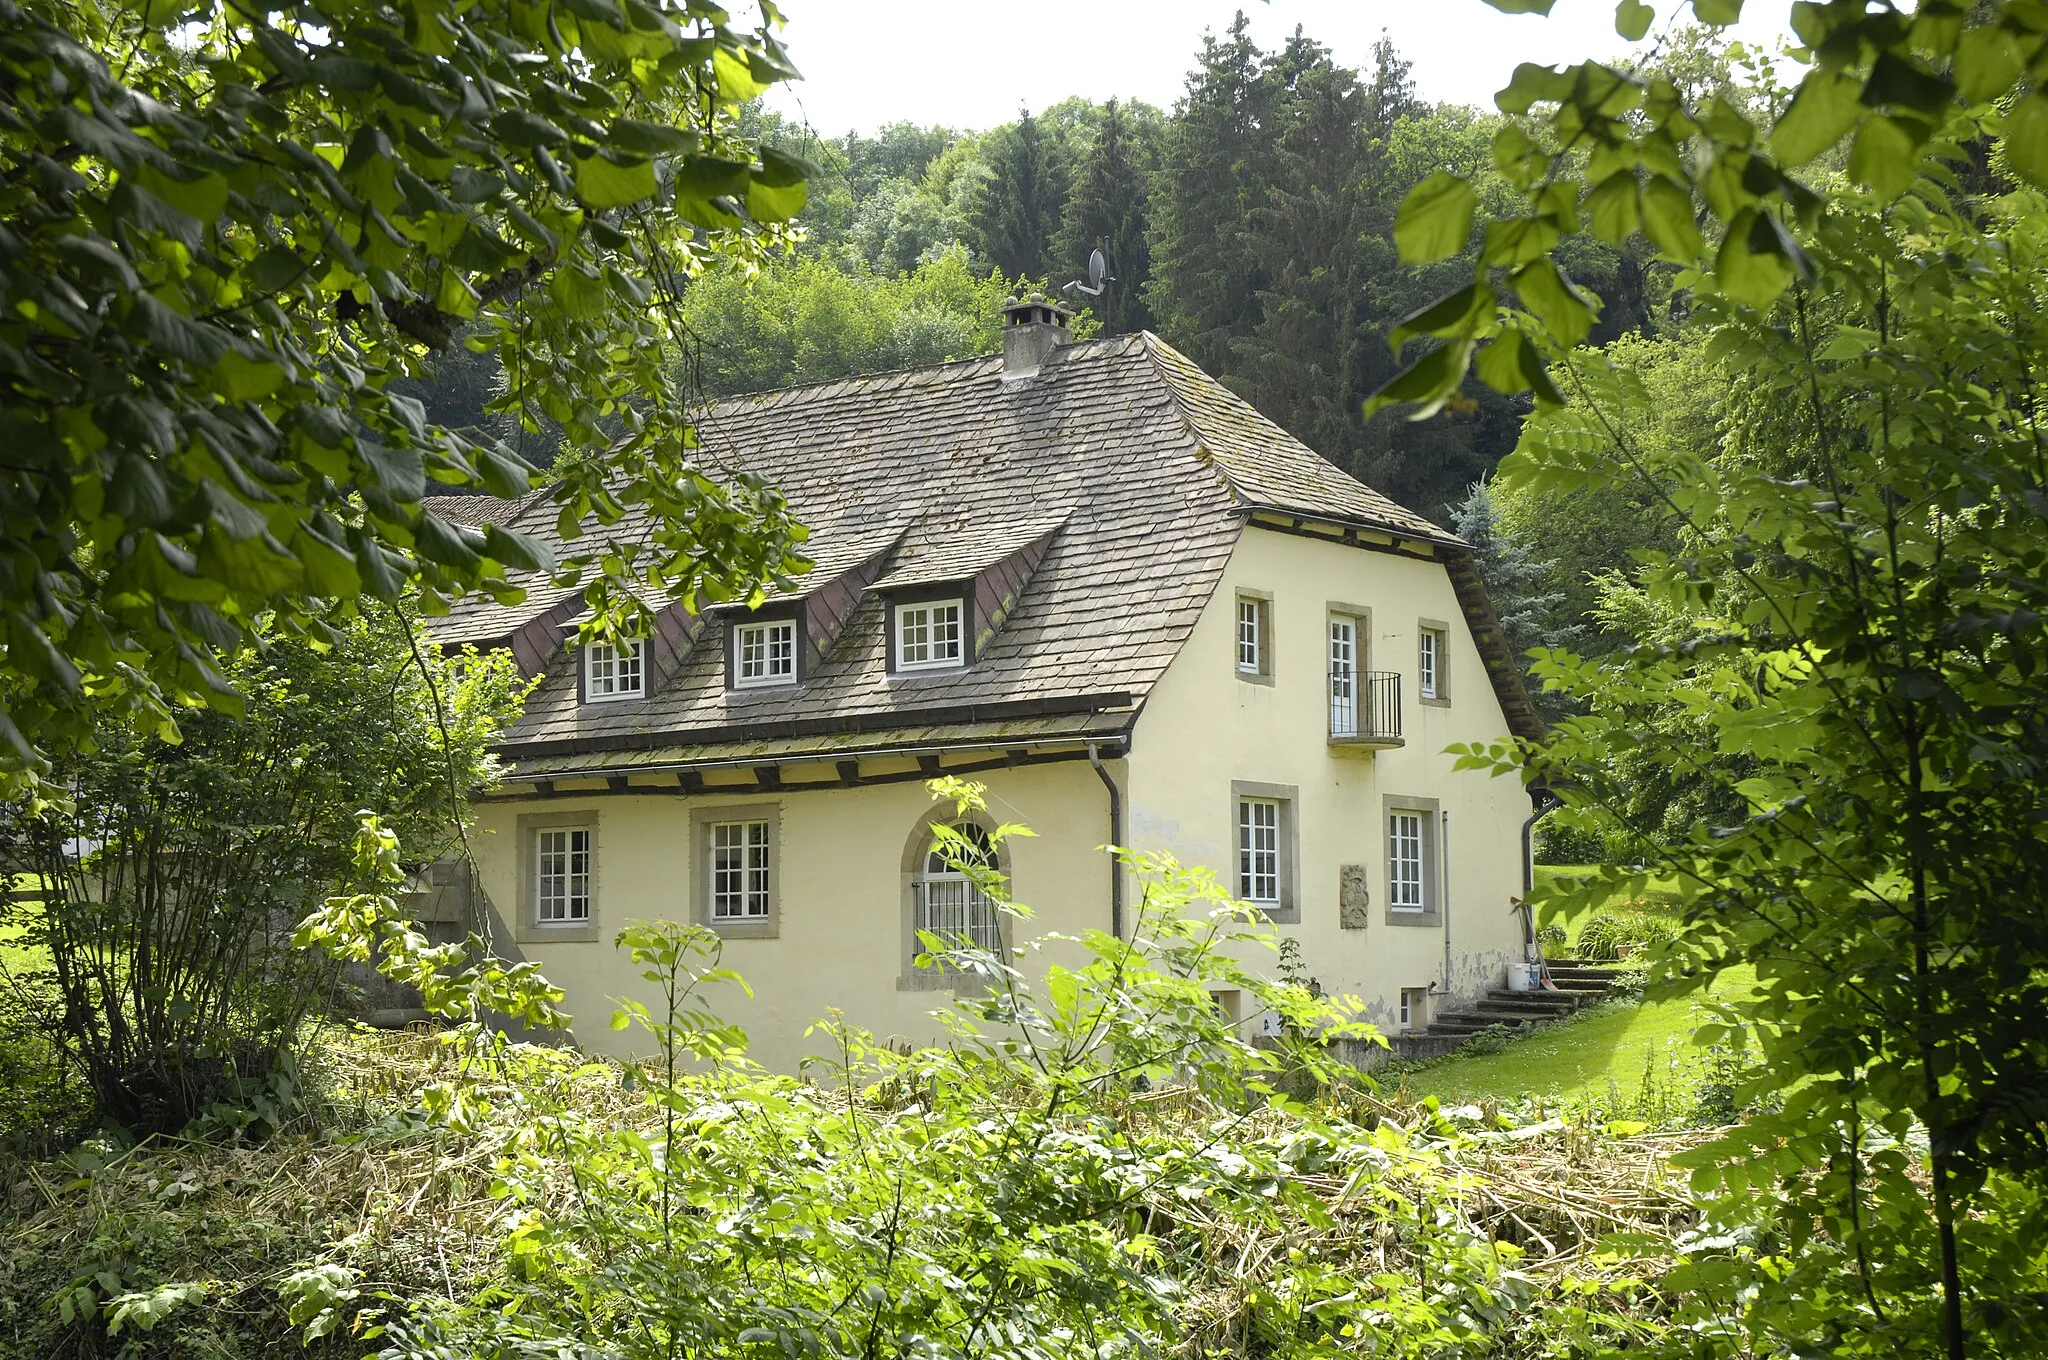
(1206, 268)
(1019, 207)
(1110, 208)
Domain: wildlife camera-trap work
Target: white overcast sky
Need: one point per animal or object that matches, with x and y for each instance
(972, 63)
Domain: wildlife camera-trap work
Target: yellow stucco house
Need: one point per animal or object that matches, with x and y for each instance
(1084, 574)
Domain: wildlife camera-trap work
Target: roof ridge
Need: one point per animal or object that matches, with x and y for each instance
(851, 380)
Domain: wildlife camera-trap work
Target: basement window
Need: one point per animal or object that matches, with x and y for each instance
(614, 672)
(930, 635)
(1415, 1008)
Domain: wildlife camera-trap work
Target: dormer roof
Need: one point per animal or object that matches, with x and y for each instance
(1099, 502)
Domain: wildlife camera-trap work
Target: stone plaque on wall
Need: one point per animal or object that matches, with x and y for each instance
(1354, 899)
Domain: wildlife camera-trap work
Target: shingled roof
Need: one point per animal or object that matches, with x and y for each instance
(1140, 467)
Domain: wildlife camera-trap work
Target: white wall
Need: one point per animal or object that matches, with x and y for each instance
(1203, 727)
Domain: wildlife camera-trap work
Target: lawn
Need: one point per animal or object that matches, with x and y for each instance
(1624, 1054)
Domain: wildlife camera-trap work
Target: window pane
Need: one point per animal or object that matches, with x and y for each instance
(1343, 677)
(1249, 639)
(1258, 850)
(562, 875)
(949, 905)
(1429, 664)
(739, 871)
(1404, 861)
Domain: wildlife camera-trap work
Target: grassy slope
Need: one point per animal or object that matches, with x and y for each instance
(1608, 1053)
(1618, 1054)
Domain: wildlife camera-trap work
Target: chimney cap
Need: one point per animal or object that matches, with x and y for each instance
(1036, 309)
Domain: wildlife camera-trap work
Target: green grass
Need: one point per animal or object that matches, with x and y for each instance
(1606, 1054)
(1624, 1054)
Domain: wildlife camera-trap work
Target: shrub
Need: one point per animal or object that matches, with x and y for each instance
(176, 870)
(1620, 931)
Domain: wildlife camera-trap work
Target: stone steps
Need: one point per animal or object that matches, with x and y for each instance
(1575, 983)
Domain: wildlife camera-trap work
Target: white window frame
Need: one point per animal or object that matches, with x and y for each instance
(767, 636)
(934, 649)
(1346, 693)
(1414, 1008)
(561, 894)
(1432, 662)
(610, 674)
(740, 892)
(1260, 865)
(1251, 635)
(980, 921)
(1407, 877)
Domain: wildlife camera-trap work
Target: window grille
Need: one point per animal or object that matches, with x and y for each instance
(1432, 649)
(562, 875)
(1251, 637)
(1343, 678)
(1258, 850)
(765, 653)
(611, 672)
(739, 871)
(928, 635)
(1404, 861)
(950, 905)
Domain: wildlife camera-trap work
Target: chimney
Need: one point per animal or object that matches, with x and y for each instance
(1031, 330)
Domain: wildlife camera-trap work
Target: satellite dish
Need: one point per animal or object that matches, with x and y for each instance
(1099, 276)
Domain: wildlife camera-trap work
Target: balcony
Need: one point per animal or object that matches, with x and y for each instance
(1365, 711)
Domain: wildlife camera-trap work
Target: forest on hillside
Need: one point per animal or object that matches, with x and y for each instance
(1251, 226)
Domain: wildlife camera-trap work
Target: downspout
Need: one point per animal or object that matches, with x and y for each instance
(1116, 837)
(1443, 852)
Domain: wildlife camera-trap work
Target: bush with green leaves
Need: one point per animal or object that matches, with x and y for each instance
(1624, 932)
(173, 872)
(1843, 654)
(1097, 1159)
(228, 234)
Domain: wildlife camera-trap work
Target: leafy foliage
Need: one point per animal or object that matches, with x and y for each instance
(229, 234)
(1846, 648)
(172, 873)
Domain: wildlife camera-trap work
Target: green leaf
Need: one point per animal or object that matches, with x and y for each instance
(200, 196)
(1612, 208)
(1826, 107)
(1430, 380)
(1447, 315)
(602, 182)
(2026, 140)
(1511, 364)
(1719, 13)
(1522, 6)
(1561, 305)
(1668, 219)
(1988, 60)
(1435, 219)
(1752, 267)
(1531, 85)
(1884, 158)
(1632, 19)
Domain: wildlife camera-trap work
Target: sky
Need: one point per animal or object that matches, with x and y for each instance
(973, 63)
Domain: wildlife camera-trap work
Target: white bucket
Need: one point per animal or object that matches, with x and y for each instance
(1525, 977)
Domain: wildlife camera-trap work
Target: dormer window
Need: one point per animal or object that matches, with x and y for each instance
(930, 635)
(614, 672)
(764, 653)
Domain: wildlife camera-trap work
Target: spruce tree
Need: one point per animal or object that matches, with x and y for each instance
(1206, 268)
(1109, 208)
(1019, 206)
